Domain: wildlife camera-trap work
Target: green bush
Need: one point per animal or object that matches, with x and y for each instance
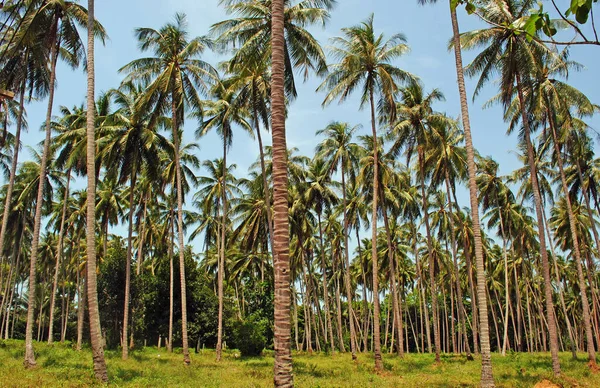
(249, 336)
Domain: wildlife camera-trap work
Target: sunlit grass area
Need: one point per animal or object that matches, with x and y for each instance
(60, 365)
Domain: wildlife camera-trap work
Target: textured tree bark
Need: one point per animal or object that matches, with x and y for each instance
(487, 378)
(283, 376)
(125, 348)
(221, 266)
(95, 329)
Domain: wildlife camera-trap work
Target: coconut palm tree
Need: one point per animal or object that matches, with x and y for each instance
(365, 63)
(222, 115)
(176, 76)
(92, 295)
(340, 152)
(509, 53)
(57, 21)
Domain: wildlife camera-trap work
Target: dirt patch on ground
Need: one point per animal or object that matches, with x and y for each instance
(546, 384)
(594, 368)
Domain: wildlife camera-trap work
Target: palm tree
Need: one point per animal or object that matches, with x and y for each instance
(177, 75)
(339, 151)
(487, 377)
(365, 63)
(57, 21)
(283, 376)
(95, 331)
(515, 59)
(222, 114)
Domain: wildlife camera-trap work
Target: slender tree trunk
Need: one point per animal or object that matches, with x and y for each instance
(432, 283)
(82, 286)
(125, 348)
(374, 258)
(95, 329)
(141, 234)
(13, 169)
(184, 331)
(506, 282)
(339, 316)
(325, 290)
(353, 342)
(365, 305)
(542, 236)
(58, 258)
(29, 355)
(576, 250)
(171, 279)
(283, 376)
(459, 295)
(221, 266)
(263, 171)
(487, 378)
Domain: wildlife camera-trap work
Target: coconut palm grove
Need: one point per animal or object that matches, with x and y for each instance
(288, 198)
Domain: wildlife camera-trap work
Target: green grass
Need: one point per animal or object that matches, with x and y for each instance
(61, 366)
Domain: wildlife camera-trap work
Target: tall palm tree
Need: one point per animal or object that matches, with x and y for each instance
(95, 330)
(515, 59)
(487, 377)
(339, 150)
(222, 115)
(365, 63)
(175, 75)
(283, 376)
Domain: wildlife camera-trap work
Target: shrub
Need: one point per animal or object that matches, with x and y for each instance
(249, 336)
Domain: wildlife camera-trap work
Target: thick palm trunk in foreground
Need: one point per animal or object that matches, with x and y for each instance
(283, 376)
(95, 331)
(487, 378)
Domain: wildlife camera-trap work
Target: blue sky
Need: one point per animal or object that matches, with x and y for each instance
(427, 29)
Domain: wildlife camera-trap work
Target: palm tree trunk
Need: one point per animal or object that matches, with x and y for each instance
(221, 266)
(171, 279)
(95, 330)
(178, 178)
(432, 283)
(127, 297)
(13, 169)
(374, 258)
(542, 236)
(506, 282)
(58, 258)
(339, 315)
(263, 171)
(283, 376)
(29, 355)
(329, 332)
(141, 234)
(365, 306)
(487, 378)
(353, 343)
(576, 250)
(81, 299)
(393, 286)
(459, 295)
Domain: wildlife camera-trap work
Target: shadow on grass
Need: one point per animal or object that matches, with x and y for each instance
(310, 369)
(126, 375)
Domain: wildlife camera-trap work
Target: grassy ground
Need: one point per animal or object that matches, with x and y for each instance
(59, 365)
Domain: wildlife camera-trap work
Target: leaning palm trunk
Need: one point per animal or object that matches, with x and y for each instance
(13, 168)
(29, 355)
(487, 378)
(551, 322)
(587, 322)
(58, 259)
(263, 171)
(184, 332)
(329, 329)
(374, 258)
(95, 330)
(283, 376)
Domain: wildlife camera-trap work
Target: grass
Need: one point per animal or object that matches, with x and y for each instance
(61, 366)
